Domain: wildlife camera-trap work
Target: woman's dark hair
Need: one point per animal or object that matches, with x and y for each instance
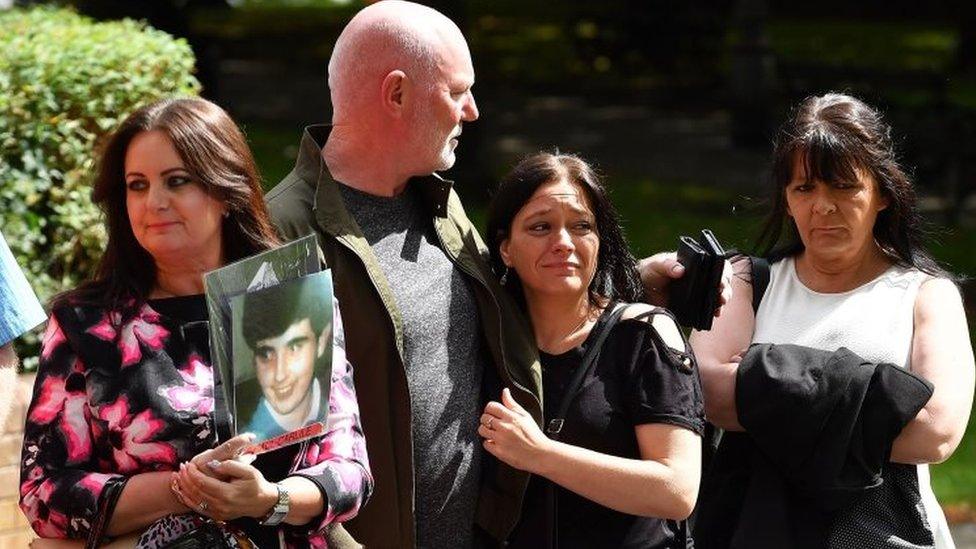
(216, 154)
(836, 136)
(616, 275)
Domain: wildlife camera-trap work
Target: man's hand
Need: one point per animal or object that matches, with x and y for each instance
(656, 273)
(659, 270)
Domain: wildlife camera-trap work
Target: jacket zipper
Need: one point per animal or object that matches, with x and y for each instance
(501, 347)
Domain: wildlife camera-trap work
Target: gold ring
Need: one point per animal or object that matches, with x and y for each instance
(203, 506)
(489, 422)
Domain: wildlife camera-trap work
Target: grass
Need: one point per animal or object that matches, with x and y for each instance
(655, 213)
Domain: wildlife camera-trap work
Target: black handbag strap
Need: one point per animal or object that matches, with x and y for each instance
(760, 280)
(106, 507)
(555, 425)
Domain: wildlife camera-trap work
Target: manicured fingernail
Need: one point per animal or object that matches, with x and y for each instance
(677, 268)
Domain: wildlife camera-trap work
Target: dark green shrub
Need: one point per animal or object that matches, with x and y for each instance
(65, 82)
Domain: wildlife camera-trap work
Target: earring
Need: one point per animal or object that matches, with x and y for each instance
(226, 214)
(504, 279)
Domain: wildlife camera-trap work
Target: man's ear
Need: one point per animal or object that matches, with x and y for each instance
(393, 92)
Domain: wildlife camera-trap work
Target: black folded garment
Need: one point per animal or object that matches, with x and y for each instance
(694, 297)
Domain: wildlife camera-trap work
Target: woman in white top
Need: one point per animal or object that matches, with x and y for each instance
(848, 270)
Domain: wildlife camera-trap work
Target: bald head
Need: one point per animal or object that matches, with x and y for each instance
(401, 79)
(383, 37)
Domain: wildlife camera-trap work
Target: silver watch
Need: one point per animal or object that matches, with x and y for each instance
(280, 509)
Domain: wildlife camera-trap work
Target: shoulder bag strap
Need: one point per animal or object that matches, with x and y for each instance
(555, 425)
(106, 507)
(760, 280)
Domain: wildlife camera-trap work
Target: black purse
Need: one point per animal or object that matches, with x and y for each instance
(694, 297)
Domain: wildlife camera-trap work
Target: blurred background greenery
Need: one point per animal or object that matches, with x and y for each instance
(675, 102)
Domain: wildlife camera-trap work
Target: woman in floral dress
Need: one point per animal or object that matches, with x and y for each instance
(125, 417)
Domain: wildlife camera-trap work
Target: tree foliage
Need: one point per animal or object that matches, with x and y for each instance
(65, 82)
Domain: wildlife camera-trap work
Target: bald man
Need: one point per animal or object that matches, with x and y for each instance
(429, 330)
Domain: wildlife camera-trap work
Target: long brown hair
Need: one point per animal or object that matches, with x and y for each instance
(216, 154)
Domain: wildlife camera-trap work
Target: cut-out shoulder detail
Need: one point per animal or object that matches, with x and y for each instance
(633, 310)
(662, 322)
(668, 329)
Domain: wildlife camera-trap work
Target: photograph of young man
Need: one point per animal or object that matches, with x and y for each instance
(288, 329)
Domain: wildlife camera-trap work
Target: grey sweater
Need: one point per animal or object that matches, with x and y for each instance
(444, 359)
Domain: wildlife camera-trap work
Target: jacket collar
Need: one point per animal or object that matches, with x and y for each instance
(330, 210)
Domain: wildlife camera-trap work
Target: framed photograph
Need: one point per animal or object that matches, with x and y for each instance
(290, 261)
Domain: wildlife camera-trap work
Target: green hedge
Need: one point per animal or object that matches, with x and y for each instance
(65, 82)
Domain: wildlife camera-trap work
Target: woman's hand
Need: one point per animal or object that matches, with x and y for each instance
(230, 489)
(221, 484)
(512, 435)
(669, 465)
(231, 449)
(737, 358)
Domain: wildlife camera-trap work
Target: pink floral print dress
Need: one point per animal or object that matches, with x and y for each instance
(120, 395)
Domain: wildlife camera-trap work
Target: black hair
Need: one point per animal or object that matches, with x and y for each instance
(836, 136)
(269, 312)
(616, 275)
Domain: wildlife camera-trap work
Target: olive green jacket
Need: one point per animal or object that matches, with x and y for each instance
(307, 201)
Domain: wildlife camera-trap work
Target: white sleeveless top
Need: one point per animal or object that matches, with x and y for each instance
(876, 321)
